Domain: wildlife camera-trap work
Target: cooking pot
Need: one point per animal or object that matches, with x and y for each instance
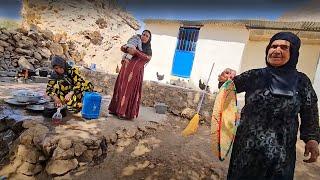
(43, 73)
(35, 108)
(27, 96)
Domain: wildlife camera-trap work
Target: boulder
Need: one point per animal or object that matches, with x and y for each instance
(4, 37)
(55, 48)
(79, 149)
(29, 169)
(62, 154)
(60, 167)
(28, 154)
(65, 143)
(37, 55)
(4, 44)
(24, 51)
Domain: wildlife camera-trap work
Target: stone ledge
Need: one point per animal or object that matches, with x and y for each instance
(177, 98)
(59, 150)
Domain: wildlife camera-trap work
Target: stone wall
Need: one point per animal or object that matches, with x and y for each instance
(180, 101)
(21, 49)
(97, 27)
(58, 151)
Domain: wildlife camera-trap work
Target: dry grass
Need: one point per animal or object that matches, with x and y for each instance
(9, 23)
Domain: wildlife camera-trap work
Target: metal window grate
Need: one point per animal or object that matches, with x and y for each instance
(187, 38)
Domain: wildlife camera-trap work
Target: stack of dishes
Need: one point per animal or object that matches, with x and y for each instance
(25, 97)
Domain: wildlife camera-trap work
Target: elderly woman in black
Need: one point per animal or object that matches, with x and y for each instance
(265, 143)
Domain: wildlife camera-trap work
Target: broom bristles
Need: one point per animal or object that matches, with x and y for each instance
(192, 126)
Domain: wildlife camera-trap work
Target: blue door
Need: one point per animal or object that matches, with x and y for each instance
(184, 53)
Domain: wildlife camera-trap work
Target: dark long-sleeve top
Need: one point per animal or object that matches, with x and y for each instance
(72, 82)
(271, 111)
(266, 138)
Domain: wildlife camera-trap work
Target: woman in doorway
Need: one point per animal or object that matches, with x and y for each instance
(127, 90)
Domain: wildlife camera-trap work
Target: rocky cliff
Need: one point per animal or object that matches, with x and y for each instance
(96, 28)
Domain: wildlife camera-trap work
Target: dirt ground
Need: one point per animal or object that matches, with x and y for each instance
(167, 156)
(163, 153)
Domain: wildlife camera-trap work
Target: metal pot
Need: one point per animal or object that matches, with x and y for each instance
(43, 73)
(35, 108)
(26, 96)
(21, 98)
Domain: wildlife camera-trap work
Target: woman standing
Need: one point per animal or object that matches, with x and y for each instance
(125, 102)
(265, 142)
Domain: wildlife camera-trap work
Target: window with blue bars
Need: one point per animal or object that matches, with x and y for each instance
(187, 39)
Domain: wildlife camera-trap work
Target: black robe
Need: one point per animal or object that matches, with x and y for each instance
(265, 142)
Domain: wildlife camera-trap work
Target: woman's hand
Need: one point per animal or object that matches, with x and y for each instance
(131, 50)
(124, 61)
(68, 96)
(226, 75)
(57, 101)
(311, 147)
(123, 49)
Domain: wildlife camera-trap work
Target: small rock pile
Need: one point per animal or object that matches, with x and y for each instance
(21, 49)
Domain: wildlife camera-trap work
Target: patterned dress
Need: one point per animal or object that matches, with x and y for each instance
(72, 81)
(126, 97)
(265, 143)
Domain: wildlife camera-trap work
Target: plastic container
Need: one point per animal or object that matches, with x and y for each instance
(91, 104)
(105, 101)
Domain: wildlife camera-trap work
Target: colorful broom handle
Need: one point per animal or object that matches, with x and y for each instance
(205, 89)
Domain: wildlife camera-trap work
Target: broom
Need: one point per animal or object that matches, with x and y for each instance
(194, 122)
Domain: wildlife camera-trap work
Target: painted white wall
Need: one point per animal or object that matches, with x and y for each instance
(222, 45)
(254, 54)
(227, 46)
(163, 43)
(162, 55)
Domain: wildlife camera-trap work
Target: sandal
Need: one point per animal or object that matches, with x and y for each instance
(121, 117)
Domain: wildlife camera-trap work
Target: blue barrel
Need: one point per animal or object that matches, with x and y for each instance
(91, 104)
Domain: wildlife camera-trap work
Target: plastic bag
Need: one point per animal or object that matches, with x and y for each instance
(57, 117)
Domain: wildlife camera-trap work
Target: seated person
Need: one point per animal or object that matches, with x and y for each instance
(66, 86)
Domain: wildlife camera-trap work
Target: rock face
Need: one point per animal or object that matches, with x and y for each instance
(97, 27)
